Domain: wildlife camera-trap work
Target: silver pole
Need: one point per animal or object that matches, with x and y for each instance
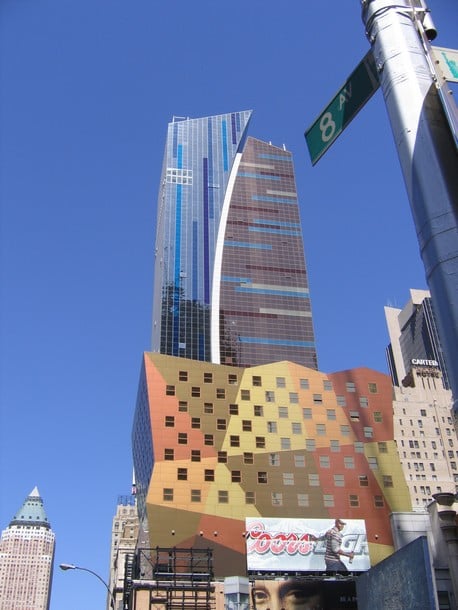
(398, 32)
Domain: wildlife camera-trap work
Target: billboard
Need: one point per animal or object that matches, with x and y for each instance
(299, 545)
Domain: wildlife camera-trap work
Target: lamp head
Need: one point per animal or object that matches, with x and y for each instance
(67, 566)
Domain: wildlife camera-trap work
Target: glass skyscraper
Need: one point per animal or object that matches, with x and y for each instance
(230, 276)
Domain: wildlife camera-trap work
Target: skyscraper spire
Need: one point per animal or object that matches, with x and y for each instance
(26, 557)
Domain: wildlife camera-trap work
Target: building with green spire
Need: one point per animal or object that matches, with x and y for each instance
(26, 558)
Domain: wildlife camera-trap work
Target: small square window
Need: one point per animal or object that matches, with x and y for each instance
(331, 414)
(373, 463)
(208, 408)
(169, 454)
(258, 410)
(246, 425)
(195, 422)
(195, 392)
(307, 413)
(349, 462)
(350, 386)
(299, 461)
(182, 474)
(363, 402)
(353, 500)
(314, 480)
(270, 396)
(256, 381)
(274, 459)
(236, 476)
(335, 446)
(222, 457)
(339, 480)
(328, 500)
(387, 480)
(248, 458)
(170, 390)
(363, 480)
(209, 474)
(345, 430)
(378, 417)
(208, 439)
(277, 499)
(288, 478)
(382, 447)
(285, 443)
(296, 427)
(260, 442)
(208, 377)
(182, 438)
(359, 447)
(169, 421)
(379, 502)
(310, 444)
(368, 432)
(220, 393)
(250, 497)
(245, 394)
(303, 500)
(293, 398)
(234, 440)
(304, 384)
(195, 495)
(341, 401)
(272, 427)
(321, 429)
(183, 406)
(167, 494)
(183, 375)
(324, 461)
(233, 409)
(354, 416)
(281, 382)
(372, 388)
(221, 424)
(232, 379)
(283, 412)
(262, 477)
(195, 455)
(317, 399)
(327, 385)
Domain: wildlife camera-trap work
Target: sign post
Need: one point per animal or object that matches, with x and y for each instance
(357, 90)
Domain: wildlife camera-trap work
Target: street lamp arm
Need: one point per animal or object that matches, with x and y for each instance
(70, 566)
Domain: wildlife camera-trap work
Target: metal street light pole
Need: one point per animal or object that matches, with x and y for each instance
(70, 566)
(399, 33)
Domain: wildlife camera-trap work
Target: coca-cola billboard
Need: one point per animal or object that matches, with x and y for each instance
(299, 545)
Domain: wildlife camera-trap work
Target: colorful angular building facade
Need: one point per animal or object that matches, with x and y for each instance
(230, 276)
(216, 444)
(26, 558)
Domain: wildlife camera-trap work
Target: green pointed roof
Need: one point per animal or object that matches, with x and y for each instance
(32, 512)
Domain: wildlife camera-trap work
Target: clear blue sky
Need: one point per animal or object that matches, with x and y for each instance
(86, 90)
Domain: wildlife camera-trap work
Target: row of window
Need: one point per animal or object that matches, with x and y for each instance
(277, 498)
(287, 477)
(260, 441)
(274, 458)
(307, 413)
(317, 399)
(280, 382)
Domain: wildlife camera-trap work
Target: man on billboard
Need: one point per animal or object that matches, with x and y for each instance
(334, 550)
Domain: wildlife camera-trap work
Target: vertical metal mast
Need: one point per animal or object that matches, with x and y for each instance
(399, 33)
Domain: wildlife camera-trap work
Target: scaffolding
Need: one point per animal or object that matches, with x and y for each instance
(174, 579)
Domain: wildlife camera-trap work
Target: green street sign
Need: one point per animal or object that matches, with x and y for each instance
(358, 89)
